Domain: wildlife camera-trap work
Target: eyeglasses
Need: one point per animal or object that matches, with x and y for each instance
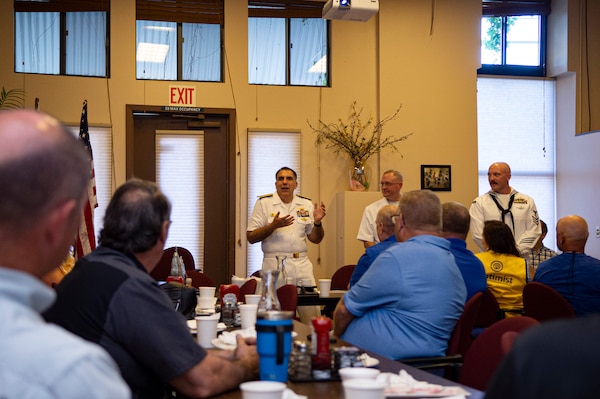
(395, 218)
(387, 184)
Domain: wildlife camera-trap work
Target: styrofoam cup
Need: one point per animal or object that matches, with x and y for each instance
(248, 315)
(207, 292)
(262, 389)
(252, 298)
(324, 287)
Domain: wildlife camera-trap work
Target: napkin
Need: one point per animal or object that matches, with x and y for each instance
(228, 337)
(405, 384)
(289, 394)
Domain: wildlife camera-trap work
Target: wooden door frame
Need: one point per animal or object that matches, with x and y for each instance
(221, 275)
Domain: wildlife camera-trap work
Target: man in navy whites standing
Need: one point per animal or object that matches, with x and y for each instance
(282, 222)
(505, 204)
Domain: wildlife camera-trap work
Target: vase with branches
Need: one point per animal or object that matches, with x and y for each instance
(359, 140)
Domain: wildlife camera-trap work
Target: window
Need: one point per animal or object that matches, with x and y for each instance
(179, 40)
(183, 184)
(101, 141)
(287, 44)
(516, 126)
(61, 37)
(513, 37)
(265, 157)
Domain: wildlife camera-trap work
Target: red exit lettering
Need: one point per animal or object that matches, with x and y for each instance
(181, 95)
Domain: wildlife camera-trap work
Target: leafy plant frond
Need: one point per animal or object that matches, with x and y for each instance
(11, 99)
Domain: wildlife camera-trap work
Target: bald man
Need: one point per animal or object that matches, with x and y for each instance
(507, 205)
(44, 172)
(573, 273)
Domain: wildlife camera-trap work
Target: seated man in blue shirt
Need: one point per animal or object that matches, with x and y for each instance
(455, 228)
(387, 238)
(408, 301)
(575, 275)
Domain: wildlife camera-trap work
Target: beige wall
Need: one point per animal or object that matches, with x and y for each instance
(398, 57)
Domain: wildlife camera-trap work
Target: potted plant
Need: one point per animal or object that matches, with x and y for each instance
(359, 141)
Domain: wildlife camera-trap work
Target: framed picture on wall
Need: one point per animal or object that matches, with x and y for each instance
(436, 177)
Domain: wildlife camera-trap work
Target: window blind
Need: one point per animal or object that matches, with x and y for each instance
(516, 125)
(61, 5)
(101, 141)
(501, 8)
(268, 151)
(193, 11)
(180, 175)
(285, 8)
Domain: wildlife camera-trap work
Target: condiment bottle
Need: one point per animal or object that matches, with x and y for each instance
(321, 356)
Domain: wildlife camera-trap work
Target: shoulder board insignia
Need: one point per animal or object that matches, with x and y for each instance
(265, 196)
(306, 198)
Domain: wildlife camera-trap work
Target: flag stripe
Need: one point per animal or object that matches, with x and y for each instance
(86, 236)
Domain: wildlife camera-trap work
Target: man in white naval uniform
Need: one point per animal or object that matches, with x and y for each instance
(504, 203)
(283, 221)
(391, 184)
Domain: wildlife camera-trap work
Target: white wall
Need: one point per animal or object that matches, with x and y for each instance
(577, 165)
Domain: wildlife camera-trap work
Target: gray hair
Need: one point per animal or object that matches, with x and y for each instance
(421, 210)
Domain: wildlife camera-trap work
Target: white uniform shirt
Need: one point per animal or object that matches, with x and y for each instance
(368, 228)
(526, 228)
(286, 240)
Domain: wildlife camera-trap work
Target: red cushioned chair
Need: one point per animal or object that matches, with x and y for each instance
(163, 268)
(249, 287)
(543, 302)
(489, 348)
(288, 297)
(199, 279)
(341, 277)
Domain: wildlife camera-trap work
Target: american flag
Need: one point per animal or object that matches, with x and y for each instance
(86, 240)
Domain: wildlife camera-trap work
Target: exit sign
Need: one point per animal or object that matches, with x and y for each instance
(182, 96)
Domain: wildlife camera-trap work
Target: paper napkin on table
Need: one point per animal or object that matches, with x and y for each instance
(289, 394)
(405, 384)
(228, 337)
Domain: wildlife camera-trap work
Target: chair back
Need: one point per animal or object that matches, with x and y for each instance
(163, 268)
(489, 311)
(288, 297)
(543, 302)
(488, 350)
(249, 287)
(461, 339)
(341, 277)
(200, 279)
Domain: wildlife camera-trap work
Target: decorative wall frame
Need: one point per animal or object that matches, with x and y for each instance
(436, 177)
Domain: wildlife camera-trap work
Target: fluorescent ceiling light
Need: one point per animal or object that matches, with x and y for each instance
(152, 52)
(319, 66)
(160, 28)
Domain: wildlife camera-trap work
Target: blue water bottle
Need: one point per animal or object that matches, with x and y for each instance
(274, 344)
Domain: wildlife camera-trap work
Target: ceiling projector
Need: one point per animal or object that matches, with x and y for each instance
(350, 10)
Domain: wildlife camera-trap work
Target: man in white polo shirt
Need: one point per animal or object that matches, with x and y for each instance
(391, 184)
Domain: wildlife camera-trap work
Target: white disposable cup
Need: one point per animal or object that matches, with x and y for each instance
(362, 388)
(262, 389)
(248, 315)
(207, 292)
(207, 302)
(206, 329)
(324, 287)
(349, 373)
(252, 298)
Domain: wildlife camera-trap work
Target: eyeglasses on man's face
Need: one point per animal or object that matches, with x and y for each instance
(395, 218)
(387, 183)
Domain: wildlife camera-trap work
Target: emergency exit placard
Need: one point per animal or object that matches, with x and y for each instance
(182, 96)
